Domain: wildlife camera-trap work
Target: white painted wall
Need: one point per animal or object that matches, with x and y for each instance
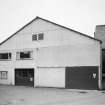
(71, 55)
(50, 77)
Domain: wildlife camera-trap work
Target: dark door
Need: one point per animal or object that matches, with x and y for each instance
(24, 77)
(103, 61)
(82, 77)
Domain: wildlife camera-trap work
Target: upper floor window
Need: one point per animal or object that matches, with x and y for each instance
(39, 36)
(5, 56)
(34, 37)
(24, 55)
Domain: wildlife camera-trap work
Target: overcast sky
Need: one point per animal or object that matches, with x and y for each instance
(80, 15)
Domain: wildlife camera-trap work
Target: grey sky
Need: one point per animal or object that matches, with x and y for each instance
(80, 15)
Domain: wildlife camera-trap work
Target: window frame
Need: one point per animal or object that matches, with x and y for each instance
(4, 77)
(34, 37)
(19, 58)
(39, 37)
(9, 56)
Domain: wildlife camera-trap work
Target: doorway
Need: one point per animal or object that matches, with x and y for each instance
(24, 76)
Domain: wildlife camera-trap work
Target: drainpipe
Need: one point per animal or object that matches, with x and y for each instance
(100, 70)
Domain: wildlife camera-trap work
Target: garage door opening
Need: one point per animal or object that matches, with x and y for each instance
(24, 77)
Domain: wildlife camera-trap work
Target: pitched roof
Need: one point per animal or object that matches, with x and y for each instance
(51, 23)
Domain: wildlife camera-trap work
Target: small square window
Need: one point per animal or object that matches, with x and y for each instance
(37, 37)
(3, 74)
(40, 36)
(34, 37)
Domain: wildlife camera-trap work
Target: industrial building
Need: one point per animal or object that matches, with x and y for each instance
(46, 54)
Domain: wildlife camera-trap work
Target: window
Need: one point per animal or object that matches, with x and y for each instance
(3, 74)
(5, 56)
(34, 37)
(24, 55)
(39, 36)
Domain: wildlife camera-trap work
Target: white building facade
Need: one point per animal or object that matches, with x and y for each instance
(45, 54)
